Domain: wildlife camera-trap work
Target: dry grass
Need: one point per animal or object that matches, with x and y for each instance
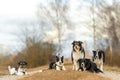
(69, 74)
(110, 68)
(3, 71)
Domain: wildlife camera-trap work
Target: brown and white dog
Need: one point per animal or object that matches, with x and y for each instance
(77, 53)
(21, 70)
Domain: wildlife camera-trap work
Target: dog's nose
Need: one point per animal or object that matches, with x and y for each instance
(60, 62)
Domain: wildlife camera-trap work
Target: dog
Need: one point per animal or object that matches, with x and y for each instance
(21, 70)
(58, 64)
(87, 64)
(99, 58)
(77, 53)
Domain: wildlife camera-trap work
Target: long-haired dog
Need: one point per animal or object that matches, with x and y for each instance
(21, 70)
(86, 64)
(77, 53)
(58, 64)
(99, 58)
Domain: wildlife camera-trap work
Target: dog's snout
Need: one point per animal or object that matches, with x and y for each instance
(60, 62)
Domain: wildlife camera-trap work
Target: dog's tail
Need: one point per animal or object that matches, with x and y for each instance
(98, 70)
(9, 68)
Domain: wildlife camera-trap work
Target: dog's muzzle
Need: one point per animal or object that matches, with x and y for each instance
(83, 66)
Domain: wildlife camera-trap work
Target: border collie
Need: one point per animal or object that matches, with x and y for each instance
(77, 53)
(21, 70)
(99, 58)
(86, 64)
(58, 64)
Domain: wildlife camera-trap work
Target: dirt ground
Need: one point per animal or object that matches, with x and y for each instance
(69, 74)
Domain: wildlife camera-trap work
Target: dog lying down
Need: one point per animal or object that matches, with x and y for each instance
(58, 64)
(21, 70)
(86, 64)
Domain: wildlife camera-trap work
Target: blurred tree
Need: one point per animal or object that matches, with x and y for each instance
(55, 15)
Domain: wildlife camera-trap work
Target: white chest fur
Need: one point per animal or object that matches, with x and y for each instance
(78, 55)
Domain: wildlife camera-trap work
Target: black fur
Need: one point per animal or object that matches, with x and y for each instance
(98, 54)
(88, 65)
(52, 65)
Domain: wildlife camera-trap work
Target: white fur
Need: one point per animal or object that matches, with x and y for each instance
(13, 71)
(60, 66)
(76, 56)
(99, 63)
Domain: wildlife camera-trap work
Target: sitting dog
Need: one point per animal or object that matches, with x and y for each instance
(99, 58)
(58, 64)
(21, 70)
(86, 64)
(77, 53)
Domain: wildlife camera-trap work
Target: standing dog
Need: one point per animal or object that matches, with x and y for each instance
(58, 64)
(86, 64)
(99, 58)
(21, 70)
(77, 53)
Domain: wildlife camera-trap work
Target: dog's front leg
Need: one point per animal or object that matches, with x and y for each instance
(76, 66)
(57, 68)
(101, 67)
(63, 68)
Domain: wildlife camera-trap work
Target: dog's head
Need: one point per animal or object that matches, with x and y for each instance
(77, 45)
(84, 64)
(59, 60)
(99, 54)
(22, 64)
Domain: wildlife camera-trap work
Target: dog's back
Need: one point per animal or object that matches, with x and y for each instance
(52, 65)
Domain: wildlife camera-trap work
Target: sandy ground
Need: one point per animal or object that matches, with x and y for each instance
(111, 75)
(108, 74)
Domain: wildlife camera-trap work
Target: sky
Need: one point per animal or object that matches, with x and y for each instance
(13, 13)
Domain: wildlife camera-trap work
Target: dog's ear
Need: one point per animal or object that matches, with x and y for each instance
(94, 51)
(62, 58)
(57, 58)
(80, 42)
(73, 42)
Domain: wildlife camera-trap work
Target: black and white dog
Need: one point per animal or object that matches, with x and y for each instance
(58, 64)
(86, 64)
(99, 58)
(77, 53)
(21, 70)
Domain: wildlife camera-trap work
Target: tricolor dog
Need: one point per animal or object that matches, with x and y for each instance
(58, 64)
(99, 58)
(77, 53)
(21, 70)
(86, 64)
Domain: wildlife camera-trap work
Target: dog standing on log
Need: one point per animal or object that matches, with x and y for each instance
(77, 53)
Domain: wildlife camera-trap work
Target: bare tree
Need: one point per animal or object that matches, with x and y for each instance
(56, 15)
